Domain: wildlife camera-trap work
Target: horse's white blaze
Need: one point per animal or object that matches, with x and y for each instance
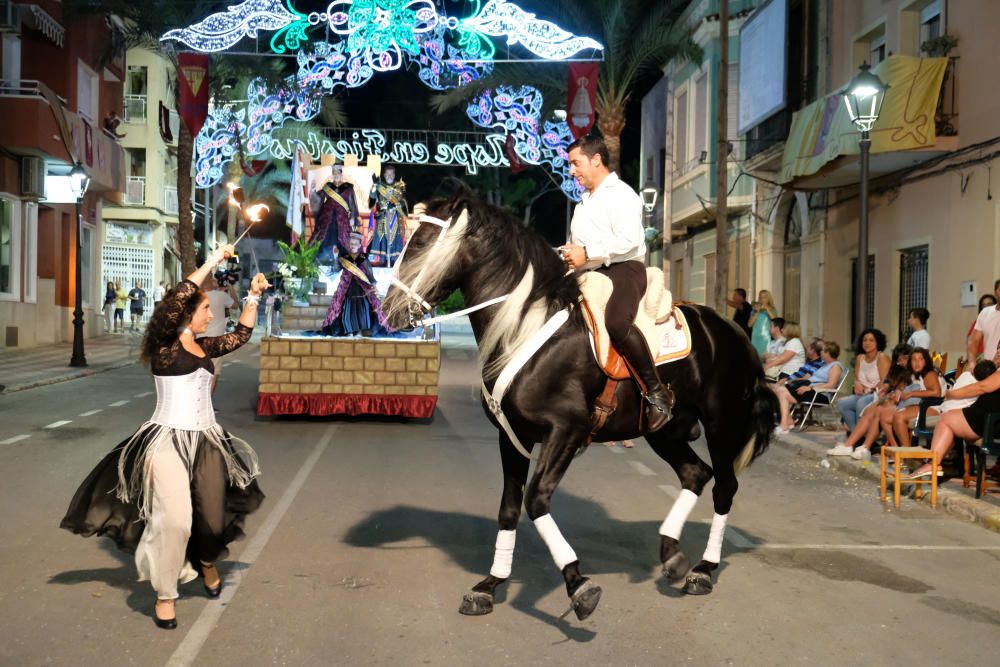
(562, 552)
(679, 513)
(503, 557)
(713, 550)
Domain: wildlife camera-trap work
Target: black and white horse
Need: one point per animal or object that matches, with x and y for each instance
(464, 243)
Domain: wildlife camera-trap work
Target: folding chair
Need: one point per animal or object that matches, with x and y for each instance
(831, 396)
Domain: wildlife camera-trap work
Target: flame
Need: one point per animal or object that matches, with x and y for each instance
(257, 211)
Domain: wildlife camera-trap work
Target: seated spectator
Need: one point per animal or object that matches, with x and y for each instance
(826, 378)
(918, 322)
(814, 361)
(870, 367)
(793, 354)
(869, 422)
(983, 370)
(777, 343)
(967, 423)
(926, 383)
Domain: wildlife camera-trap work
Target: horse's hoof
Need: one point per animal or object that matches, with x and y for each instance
(676, 567)
(585, 599)
(698, 583)
(476, 603)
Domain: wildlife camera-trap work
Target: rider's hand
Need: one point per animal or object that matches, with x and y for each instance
(574, 255)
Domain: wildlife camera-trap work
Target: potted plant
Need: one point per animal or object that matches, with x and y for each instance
(299, 269)
(940, 46)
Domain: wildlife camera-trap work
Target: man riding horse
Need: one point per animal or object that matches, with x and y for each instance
(607, 236)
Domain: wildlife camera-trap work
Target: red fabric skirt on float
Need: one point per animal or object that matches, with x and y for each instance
(323, 405)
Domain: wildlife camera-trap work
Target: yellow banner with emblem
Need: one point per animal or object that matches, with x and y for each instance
(823, 131)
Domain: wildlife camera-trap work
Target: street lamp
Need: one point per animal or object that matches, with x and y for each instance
(649, 195)
(863, 97)
(78, 182)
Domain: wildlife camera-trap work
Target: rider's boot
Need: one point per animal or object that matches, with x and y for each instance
(660, 398)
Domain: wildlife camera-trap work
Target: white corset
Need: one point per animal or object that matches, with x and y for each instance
(184, 401)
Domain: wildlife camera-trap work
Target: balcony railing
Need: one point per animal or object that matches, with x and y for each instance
(135, 108)
(170, 200)
(946, 116)
(135, 191)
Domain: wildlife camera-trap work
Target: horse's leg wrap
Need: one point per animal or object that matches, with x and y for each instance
(562, 552)
(713, 551)
(503, 557)
(678, 516)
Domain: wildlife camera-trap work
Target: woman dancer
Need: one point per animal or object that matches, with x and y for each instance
(177, 491)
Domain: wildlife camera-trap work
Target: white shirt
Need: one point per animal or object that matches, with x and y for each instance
(774, 348)
(158, 293)
(989, 323)
(963, 380)
(920, 339)
(218, 301)
(799, 356)
(608, 223)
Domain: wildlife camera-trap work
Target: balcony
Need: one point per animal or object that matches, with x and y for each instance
(135, 109)
(135, 191)
(170, 200)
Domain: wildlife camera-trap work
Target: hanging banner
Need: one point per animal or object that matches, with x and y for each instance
(582, 93)
(192, 81)
(516, 165)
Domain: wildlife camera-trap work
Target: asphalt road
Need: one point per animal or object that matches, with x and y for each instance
(373, 530)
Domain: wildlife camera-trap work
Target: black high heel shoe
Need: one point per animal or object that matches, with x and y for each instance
(164, 623)
(214, 591)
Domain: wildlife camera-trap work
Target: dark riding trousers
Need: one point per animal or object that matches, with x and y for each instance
(629, 281)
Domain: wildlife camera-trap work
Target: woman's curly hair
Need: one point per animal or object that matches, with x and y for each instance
(164, 325)
(880, 340)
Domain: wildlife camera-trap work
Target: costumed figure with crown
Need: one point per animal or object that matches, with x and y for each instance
(355, 307)
(335, 210)
(389, 211)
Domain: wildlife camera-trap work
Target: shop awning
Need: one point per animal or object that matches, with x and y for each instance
(822, 132)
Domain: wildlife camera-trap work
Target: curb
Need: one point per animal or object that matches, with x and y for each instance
(11, 389)
(954, 503)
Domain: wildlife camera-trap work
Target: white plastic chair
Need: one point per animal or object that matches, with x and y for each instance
(830, 394)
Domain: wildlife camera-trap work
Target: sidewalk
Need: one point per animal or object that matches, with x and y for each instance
(48, 364)
(952, 499)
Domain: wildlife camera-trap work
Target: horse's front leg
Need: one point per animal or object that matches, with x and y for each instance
(556, 454)
(515, 473)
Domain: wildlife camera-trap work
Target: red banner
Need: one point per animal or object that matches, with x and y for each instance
(192, 79)
(582, 97)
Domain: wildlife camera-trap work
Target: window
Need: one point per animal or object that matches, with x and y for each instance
(135, 94)
(11, 57)
(87, 91)
(135, 186)
(30, 252)
(8, 250)
(930, 21)
(680, 132)
(700, 114)
(792, 277)
(913, 267)
(870, 47)
(876, 50)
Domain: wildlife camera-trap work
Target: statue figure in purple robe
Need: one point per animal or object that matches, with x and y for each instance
(355, 308)
(335, 210)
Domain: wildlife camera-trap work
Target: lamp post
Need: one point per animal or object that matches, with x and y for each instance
(78, 182)
(649, 195)
(863, 97)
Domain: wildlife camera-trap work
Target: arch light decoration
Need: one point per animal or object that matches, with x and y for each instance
(376, 36)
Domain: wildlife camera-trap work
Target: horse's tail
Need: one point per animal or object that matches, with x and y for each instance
(762, 421)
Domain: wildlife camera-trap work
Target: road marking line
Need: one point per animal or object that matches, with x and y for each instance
(117, 404)
(642, 468)
(877, 547)
(671, 491)
(739, 540)
(91, 413)
(59, 423)
(205, 624)
(16, 438)
(144, 394)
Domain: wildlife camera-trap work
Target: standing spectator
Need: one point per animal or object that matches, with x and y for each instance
(870, 367)
(109, 306)
(137, 299)
(218, 301)
(764, 311)
(158, 293)
(985, 301)
(793, 354)
(738, 301)
(918, 322)
(121, 296)
(986, 331)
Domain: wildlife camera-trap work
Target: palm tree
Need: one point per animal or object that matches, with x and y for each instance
(639, 36)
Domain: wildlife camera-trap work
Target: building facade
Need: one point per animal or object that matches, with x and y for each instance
(56, 98)
(139, 236)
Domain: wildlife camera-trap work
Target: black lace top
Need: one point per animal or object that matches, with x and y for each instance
(173, 359)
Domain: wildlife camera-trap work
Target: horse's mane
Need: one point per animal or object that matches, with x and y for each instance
(518, 261)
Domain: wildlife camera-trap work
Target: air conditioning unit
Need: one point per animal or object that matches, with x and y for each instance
(33, 177)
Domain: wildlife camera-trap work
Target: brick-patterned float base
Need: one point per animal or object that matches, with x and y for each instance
(309, 376)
